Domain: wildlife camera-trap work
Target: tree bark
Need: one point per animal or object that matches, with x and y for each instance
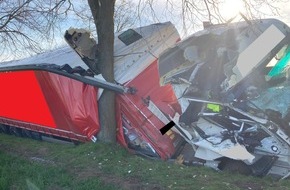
(103, 14)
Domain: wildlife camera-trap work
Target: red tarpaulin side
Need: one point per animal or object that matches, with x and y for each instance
(72, 103)
(147, 124)
(22, 99)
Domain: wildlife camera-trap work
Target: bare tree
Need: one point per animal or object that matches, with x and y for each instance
(31, 26)
(125, 15)
(25, 23)
(103, 13)
(192, 13)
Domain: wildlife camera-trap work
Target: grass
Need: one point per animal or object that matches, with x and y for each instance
(30, 164)
(19, 173)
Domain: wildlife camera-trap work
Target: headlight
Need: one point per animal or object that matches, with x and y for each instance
(135, 141)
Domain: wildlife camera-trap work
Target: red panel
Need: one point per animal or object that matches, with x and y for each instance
(73, 104)
(147, 84)
(21, 99)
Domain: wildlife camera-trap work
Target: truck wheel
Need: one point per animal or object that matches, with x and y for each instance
(4, 129)
(36, 135)
(26, 133)
(16, 131)
(76, 143)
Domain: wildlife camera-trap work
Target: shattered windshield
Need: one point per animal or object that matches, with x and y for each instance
(272, 95)
(280, 62)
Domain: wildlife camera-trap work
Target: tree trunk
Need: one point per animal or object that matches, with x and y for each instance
(103, 13)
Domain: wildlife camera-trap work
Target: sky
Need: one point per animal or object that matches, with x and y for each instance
(229, 9)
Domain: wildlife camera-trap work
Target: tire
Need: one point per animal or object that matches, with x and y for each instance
(26, 133)
(76, 143)
(16, 131)
(36, 135)
(4, 129)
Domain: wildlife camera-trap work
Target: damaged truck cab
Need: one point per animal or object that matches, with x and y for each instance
(232, 82)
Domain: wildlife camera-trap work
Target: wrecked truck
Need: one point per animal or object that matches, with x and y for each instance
(232, 82)
(225, 89)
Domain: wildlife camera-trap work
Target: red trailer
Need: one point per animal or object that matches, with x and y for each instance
(54, 94)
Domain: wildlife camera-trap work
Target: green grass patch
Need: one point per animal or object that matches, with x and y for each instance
(19, 173)
(105, 166)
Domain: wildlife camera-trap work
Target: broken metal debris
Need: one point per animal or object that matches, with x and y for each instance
(232, 82)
